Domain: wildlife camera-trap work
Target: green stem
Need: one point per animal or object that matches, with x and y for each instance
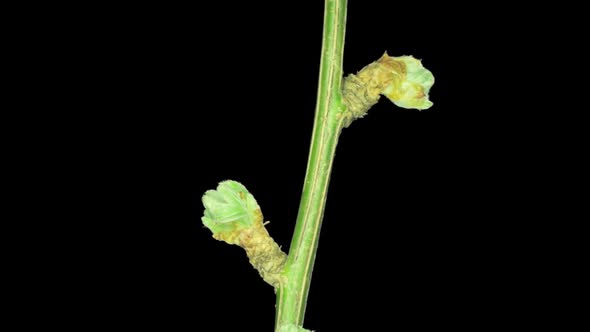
(329, 116)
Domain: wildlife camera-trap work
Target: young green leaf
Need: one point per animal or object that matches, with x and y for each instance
(230, 209)
(413, 88)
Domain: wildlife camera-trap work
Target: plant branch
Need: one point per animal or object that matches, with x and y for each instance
(233, 215)
(329, 116)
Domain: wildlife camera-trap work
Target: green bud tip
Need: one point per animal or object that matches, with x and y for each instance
(230, 208)
(411, 88)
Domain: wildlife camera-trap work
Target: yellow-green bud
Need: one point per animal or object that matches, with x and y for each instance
(233, 215)
(403, 80)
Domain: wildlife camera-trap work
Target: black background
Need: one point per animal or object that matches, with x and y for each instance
(198, 95)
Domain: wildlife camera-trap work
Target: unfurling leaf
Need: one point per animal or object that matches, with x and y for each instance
(403, 80)
(412, 88)
(229, 209)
